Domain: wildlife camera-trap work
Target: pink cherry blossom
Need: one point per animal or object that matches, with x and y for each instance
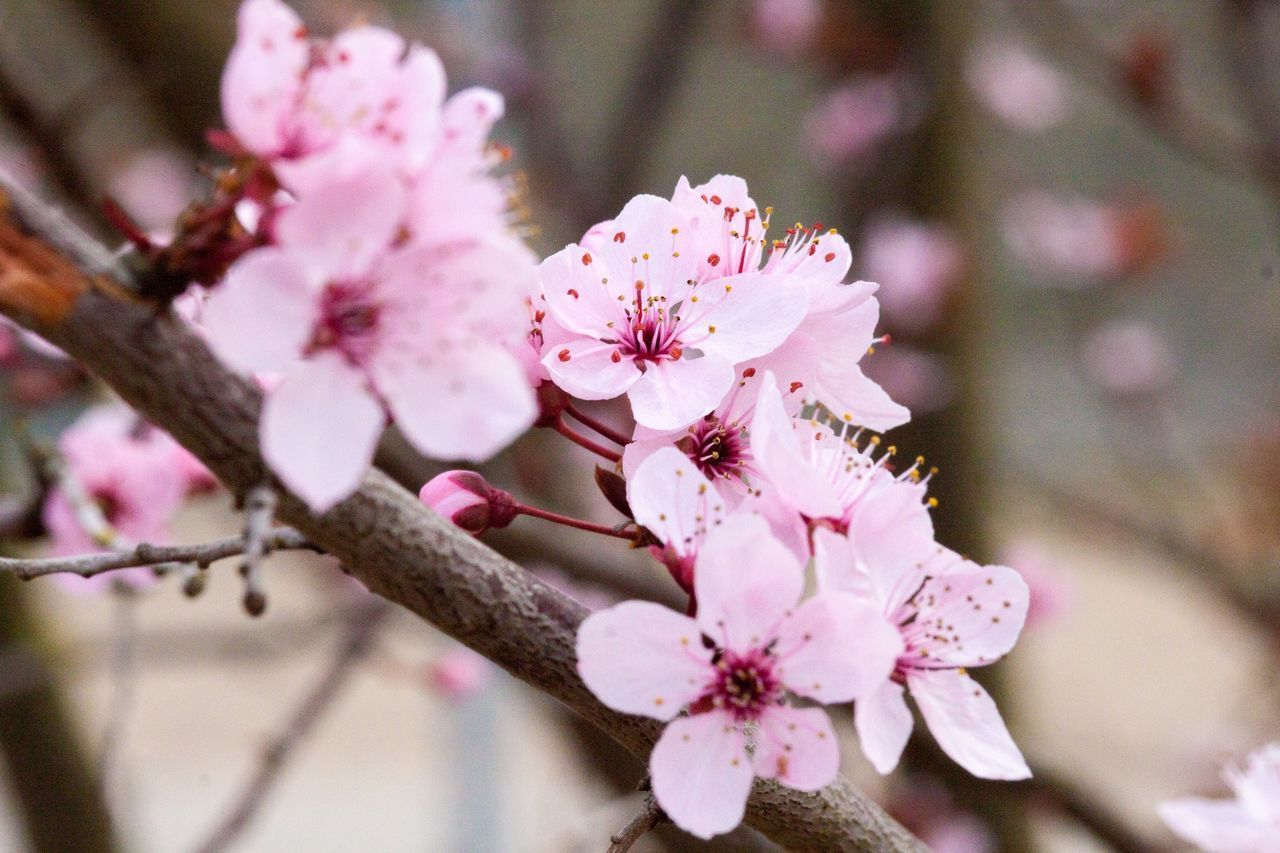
(1019, 87)
(1249, 823)
(952, 615)
(636, 314)
(917, 265)
(131, 471)
(760, 645)
(786, 26)
(1129, 359)
(850, 122)
(361, 325)
(459, 674)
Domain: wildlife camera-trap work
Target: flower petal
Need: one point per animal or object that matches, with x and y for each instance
(669, 496)
(263, 313)
(982, 608)
(585, 368)
(646, 247)
(264, 74)
(319, 428)
(701, 773)
(673, 394)
(746, 581)
(796, 746)
(576, 296)
(638, 657)
(743, 316)
(836, 647)
(776, 449)
(835, 564)
(884, 724)
(964, 720)
(1219, 826)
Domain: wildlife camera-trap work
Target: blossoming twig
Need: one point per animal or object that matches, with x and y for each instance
(359, 641)
(649, 816)
(89, 565)
(582, 441)
(602, 428)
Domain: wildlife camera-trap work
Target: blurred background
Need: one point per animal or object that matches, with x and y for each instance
(1071, 208)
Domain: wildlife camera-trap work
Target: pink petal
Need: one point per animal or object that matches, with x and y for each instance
(649, 226)
(585, 368)
(459, 402)
(836, 647)
(892, 536)
(673, 394)
(469, 116)
(778, 456)
(263, 313)
(575, 295)
(638, 657)
(1221, 826)
(884, 724)
(866, 403)
(319, 430)
(746, 581)
(701, 773)
(263, 76)
(342, 225)
(669, 496)
(744, 316)
(835, 564)
(964, 720)
(984, 606)
(796, 746)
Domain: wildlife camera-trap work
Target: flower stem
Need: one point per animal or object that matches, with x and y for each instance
(568, 521)
(582, 441)
(603, 429)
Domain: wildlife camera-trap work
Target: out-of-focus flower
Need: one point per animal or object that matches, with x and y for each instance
(917, 265)
(153, 186)
(1249, 823)
(954, 615)
(761, 644)
(1077, 242)
(1019, 87)
(958, 833)
(1129, 359)
(360, 323)
(635, 315)
(467, 499)
(130, 471)
(459, 674)
(915, 377)
(850, 122)
(786, 26)
(1051, 593)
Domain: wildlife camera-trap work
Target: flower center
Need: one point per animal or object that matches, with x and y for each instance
(348, 322)
(717, 448)
(745, 684)
(650, 336)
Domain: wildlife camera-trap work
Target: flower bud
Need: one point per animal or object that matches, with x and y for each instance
(467, 499)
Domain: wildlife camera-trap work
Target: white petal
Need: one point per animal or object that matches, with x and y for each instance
(778, 456)
(964, 720)
(669, 496)
(673, 394)
(884, 724)
(262, 314)
(701, 773)
(836, 647)
(797, 746)
(1219, 826)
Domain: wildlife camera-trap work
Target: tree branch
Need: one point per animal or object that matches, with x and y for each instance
(88, 565)
(382, 534)
(649, 816)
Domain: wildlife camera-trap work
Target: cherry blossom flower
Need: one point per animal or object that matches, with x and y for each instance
(851, 121)
(131, 471)
(1019, 87)
(361, 324)
(732, 667)
(952, 615)
(636, 314)
(917, 265)
(1129, 359)
(1250, 823)
(786, 26)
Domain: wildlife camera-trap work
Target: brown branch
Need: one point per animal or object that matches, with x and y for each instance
(355, 647)
(88, 565)
(382, 534)
(649, 816)
(1250, 60)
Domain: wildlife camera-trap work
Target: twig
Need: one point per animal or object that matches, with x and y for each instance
(649, 816)
(597, 425)
(361, 630)
(382, 534)
(1250, 59)
(259, 509)
(88, 565)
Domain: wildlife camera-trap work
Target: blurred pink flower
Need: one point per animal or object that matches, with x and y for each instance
(958, 833)
(850, 122)
(1130, 359)
(1051, 592)
(459, 674)
(1020, 88)
(915, 377)
(1249, 823)
(786, 26)
(1062, 237)
(153, 186)
(917, 265)
(761, 642)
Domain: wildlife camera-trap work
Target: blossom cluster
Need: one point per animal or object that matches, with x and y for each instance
(392, 283)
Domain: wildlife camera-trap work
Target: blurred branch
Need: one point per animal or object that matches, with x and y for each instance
(88, 565)
(359, 641)
(382, 534)
(649, 816)
(1089, 812)
(1170, 116)
(1251, 52)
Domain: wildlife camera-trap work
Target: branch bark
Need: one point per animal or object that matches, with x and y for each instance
(382, 534)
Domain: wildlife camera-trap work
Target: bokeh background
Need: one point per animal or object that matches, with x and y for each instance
(1071, 207)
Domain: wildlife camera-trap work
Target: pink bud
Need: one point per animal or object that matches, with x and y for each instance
(459, 674)
(467, 499)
